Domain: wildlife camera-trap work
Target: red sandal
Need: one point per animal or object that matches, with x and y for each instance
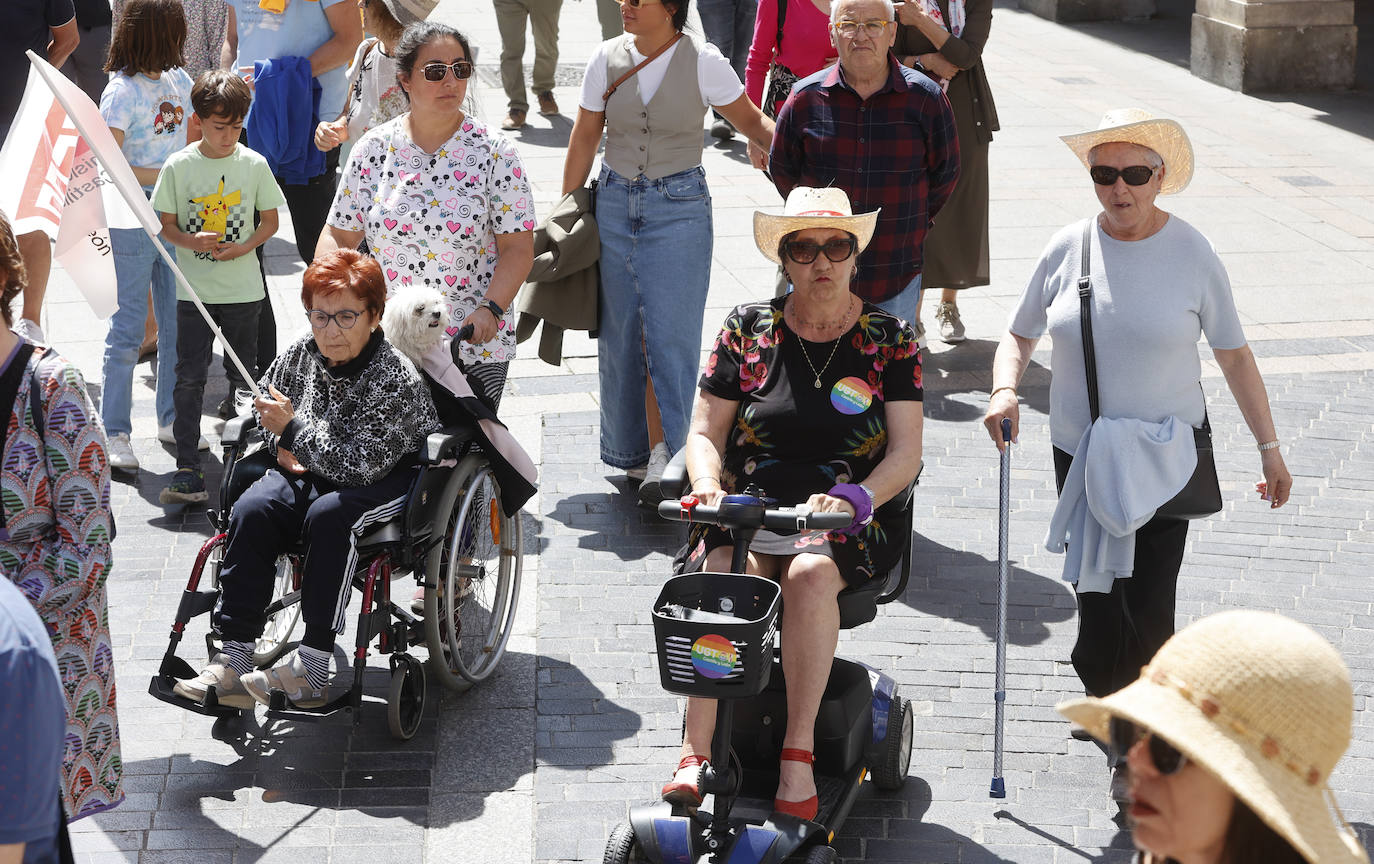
(804, 810)
(685, 794)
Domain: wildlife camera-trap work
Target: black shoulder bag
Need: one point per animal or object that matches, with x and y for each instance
(780, 78)
(1202, 494)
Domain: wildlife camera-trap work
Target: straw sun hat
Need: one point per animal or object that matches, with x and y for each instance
(811, 208)
(1264, 704)
(1138, 126)
(407, 12)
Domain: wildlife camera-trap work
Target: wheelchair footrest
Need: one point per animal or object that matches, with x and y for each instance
(281, 709)
(160, 687)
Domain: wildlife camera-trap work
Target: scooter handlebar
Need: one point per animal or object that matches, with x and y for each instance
(733, 516)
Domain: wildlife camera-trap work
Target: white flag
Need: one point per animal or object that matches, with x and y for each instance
(58, 162)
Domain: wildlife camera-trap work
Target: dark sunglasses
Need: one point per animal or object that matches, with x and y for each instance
(1135, 175)
(805, 251)
(436, 71)
(1123, 735)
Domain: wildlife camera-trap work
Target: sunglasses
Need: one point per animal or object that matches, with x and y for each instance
(1123, 735)
(805, 251)
(635, 4)
(436, 71)
(345, 318)
(1135, 175)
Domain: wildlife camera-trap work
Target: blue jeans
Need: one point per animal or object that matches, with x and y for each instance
(729, 25)
(903, 305)
(655, 269)
(138, 267)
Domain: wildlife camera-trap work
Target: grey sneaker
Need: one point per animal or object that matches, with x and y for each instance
(121, 453)
(288, 677)
(228, 685)
(649, 492)
(167, 436)
(638, 472)
(951, 328)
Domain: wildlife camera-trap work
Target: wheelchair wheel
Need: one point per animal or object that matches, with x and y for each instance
(621, 847)
(405, 702)
(895, 759)
(276, 633)
(470, 614)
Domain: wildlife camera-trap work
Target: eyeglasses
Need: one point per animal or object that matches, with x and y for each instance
(635, 4)
(1123, 735)
(345, 318)
(436, 71)
(1136, 175)
(805, 251)
(850, 29)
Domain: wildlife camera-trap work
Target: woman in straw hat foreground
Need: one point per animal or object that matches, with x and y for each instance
(813, 397)
(1156, 284)
(1231, 733)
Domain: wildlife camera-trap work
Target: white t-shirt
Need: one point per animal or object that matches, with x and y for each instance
(150, 112)
(374, 96)
(1152, 299)
(718, 83)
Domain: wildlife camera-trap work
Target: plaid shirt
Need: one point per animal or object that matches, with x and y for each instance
(897, 150)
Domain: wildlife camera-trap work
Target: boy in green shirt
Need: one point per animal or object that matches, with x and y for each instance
(206, 195)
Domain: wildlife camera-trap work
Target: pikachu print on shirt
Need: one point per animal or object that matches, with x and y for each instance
(219, 212)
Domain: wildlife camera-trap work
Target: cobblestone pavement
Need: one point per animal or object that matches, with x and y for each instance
(539, 762)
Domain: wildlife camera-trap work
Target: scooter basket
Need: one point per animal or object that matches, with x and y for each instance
(714, 633)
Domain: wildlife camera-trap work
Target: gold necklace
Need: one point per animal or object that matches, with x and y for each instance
(833, 349)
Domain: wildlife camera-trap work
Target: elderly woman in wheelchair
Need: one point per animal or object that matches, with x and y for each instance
(344, 413)
(815, 397)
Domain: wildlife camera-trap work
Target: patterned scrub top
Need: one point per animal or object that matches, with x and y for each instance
(55, 491)
(792, 439)
(432, 218)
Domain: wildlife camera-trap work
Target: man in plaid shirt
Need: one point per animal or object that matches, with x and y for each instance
(881, 132)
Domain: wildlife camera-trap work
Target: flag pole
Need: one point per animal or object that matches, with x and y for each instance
(48, 74)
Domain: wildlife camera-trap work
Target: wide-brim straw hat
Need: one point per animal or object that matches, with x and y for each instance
(1264, 704)
(811, 208)
(1138, 126)
(407, 12)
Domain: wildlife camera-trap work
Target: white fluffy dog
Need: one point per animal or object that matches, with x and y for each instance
(414, 320)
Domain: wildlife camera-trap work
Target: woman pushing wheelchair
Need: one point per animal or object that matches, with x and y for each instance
(812, 397)
(344, 413)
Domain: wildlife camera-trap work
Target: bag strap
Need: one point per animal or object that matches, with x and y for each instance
(36, 394)
(606, 97)
(782, 17)
(1085, 317)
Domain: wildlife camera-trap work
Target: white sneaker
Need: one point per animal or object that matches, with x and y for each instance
(649, 492)
(288, 677)
(951, 327)
(166, 436)
(229, 689)
(121, 452)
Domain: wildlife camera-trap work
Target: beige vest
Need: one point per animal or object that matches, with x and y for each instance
(665, 136)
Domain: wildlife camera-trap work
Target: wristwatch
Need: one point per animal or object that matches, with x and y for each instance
(493, 307)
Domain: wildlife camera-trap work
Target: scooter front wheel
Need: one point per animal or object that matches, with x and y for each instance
(621, 847)
(822, 855)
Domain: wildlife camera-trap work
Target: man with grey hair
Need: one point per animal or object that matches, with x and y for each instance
(884, 134)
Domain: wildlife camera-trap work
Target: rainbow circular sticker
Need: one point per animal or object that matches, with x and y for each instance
(851, 395)
(713, 656)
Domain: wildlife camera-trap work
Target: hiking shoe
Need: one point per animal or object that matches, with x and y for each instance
(514, 120)
(165, 435)
(289, 678)
(722, 129)
(649, 492)
(951, 328)
(121, 452)
(547, 106)
(187, 487)
(228, 686)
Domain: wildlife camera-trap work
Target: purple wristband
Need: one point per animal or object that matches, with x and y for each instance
(858, 498)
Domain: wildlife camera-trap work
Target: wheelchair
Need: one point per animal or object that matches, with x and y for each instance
(452, 535)
(717, 636)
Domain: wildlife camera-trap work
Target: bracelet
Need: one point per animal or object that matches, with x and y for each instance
(493, 307)
(1267, 445)
(997, 390)
(699, 479)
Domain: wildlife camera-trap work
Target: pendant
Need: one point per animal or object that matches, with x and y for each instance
(817, 385)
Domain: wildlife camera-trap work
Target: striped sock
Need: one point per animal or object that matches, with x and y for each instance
(316, 663)
(239, 655)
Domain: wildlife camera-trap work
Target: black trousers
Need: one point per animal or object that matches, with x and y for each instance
(270, 516)
(195, 344)
(1118, 632)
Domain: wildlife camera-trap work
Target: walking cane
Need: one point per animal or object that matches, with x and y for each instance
(999, 787)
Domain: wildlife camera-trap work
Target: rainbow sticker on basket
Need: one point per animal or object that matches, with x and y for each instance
(713, 656)
(851, 395)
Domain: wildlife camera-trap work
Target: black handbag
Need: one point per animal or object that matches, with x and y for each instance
(1201, 496)
(780, 78)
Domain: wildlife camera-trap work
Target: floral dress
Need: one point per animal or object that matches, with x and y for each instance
(432, 218)
(56, 548)
(792, 439)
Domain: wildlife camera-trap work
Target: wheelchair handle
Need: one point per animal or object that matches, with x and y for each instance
(463, 334)
(750, 513)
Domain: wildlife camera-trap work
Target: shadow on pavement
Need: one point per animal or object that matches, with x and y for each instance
(957, 381)
(900, 835)
(615, 523)
(962, 586)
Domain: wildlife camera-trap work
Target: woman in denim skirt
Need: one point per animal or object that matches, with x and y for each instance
(650, 89)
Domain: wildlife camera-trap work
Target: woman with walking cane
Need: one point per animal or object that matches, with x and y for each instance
(1147, 284)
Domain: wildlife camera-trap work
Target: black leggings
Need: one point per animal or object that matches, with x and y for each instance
(1118, 632)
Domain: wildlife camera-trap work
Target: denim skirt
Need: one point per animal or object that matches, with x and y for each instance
(655, 269)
